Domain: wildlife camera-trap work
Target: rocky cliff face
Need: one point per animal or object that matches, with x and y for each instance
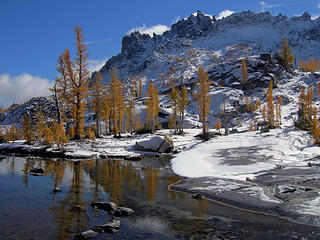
(203, 40)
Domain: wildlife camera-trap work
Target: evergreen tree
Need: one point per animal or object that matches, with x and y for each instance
(203, 98)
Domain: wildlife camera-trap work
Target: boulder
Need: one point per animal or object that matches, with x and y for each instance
(265, 129)
(123, 211)
(155, 144)
(110, 227)
(37, 172)
(107, 206)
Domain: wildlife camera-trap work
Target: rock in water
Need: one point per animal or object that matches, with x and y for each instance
(110, 227)
(56, 189)
(78, 208)
(197, 195)
(37, 172)
(155, 144)
(107, 206)
(123, 211)
(86, 235)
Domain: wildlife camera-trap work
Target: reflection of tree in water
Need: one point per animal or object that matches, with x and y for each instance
(113, 175)
(151, 184)
(69, 220)
(28, 165)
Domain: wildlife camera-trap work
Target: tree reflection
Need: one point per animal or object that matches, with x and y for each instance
(68, 219)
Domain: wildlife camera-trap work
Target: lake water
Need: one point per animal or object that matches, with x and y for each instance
(30, 210)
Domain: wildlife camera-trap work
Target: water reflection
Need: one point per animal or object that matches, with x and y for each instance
(139, 185)
(86, 181)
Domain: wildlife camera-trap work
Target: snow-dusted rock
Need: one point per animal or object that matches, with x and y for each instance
(107, 206)
(123, 211)
(86, 235)
(155, 144)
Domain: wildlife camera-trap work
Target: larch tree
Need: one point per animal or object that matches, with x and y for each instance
(174, 104)
(40, 125)
(73, 81)
(153, 106)
(117, 102)
(270, 105)
(140, 89)
(27, 131)
(244, 72)
(278, 110)
(203, 98)
(130, 108)
(286, 53)
(183, 102)
(96, 103)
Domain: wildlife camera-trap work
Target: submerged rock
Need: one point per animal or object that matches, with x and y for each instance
(56, 189)
(123, 211)
(37, 172)
(197, 195)
(86, 235)
(78, 208)
(155, 144)
(110, 227)
(107, 206)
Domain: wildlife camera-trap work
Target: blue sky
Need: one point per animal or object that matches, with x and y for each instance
(35, 32)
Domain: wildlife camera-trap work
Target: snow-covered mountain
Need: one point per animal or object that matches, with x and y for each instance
(202, 40)
(217, 45)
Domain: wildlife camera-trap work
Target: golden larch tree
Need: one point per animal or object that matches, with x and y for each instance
(244, 72)
(278, 110)
(203, 98)
(117, 102)
(153, 106)
(174, 104)
(96, 103)
(73, 82)
(183, 102)
(270, 105)
(286, 53)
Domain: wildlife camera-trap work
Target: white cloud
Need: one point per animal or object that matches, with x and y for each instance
(95, 65)
(20, 88)
(225, 13)
(315, 16)
(157, 29)
(99, 41)
(265, 6)
(318, 5)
